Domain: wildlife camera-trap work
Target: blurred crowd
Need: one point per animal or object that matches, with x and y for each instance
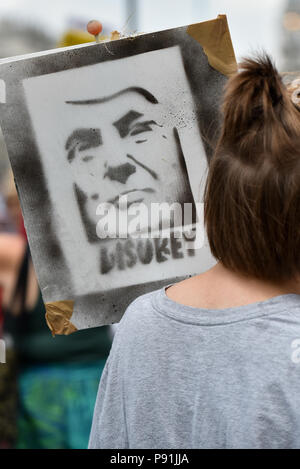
(48, 385)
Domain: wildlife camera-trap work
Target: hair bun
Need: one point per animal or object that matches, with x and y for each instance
(257, 104)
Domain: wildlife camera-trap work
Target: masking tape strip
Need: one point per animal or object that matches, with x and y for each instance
(58, 316)
(214, 37)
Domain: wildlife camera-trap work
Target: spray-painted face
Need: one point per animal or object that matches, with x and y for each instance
(128, 153)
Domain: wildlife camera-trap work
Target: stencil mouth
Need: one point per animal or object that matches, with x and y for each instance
(130, 197)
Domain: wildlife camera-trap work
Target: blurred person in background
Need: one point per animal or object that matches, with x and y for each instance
(5, 222)
(11, 246)
(57, 377)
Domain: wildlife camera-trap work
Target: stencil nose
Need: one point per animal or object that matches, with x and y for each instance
(120, 173)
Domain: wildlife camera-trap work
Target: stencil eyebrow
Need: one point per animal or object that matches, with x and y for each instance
(132, 89)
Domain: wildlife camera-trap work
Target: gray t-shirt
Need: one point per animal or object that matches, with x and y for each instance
(183, 377)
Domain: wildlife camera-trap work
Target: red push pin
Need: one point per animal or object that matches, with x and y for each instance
(94, 27)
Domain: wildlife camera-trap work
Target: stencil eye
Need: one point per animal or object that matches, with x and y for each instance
(141, 127)
(86, 159)
(141, 141)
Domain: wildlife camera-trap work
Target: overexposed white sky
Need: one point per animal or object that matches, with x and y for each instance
(254, 24)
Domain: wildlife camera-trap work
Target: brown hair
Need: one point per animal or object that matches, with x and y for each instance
(252, 196)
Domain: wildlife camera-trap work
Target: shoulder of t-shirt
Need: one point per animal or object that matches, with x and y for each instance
(140, 308)
(139, 317)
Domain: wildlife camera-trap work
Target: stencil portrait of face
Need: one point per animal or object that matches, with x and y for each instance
(128, 152)
(104, 122)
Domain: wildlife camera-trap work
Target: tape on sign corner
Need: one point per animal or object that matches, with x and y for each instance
(214, 37)
(58, 315)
